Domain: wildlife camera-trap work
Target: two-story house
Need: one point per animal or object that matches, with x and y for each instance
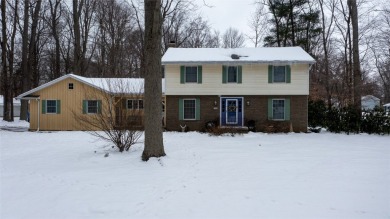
(234, 86)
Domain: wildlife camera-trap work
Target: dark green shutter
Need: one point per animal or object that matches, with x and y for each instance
(199, 74)
(58, 106)
(270, 69)
(181, 110)
(288, 74)
(43, 106)
(197, 109)
(270, 107)
(224, 74)
(85, 106)
(182, 72)
(239, 74)
(99, 104)
(287, 109)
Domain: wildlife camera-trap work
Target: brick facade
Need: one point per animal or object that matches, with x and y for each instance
(257, 110)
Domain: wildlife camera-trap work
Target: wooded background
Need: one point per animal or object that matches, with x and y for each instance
(43, 40)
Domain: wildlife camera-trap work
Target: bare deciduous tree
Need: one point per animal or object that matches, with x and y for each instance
(232, 38)
(258, 23)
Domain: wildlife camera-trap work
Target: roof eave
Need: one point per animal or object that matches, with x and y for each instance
(239, 62)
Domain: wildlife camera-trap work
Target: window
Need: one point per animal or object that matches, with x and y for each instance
(191, 74)
(189, 108)
(278, 109)
(92, 106)
(51, 106)
(135, 104)
(232, 74)
(279, 74)
(70, 86)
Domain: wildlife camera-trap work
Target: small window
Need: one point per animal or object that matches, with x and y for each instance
(92, 106)
(51, 106)
(70, 86)
(232, 74)
(191, 74)
(135, 104)
(278, 109)
(189, 108)
(279, 74)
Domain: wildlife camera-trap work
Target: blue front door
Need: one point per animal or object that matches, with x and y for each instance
(231, 111)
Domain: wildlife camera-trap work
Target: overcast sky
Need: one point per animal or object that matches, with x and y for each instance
(228, 13)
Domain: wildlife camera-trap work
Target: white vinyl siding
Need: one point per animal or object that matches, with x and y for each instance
(254, 81)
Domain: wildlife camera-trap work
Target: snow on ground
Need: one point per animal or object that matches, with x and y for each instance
(255, 175)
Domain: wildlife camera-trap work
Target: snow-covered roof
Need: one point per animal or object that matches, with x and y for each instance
(244, 55)
(370, 97)
(110, 85)
(387, 104)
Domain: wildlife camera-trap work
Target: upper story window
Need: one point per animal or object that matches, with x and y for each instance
(190, 74)
(135, 104)
(70, 86)
(232, 74)
(279, 74)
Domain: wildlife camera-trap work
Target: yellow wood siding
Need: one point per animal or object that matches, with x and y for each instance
(254, 81)
(71, 105)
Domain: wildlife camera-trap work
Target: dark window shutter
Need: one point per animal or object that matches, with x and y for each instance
(58, 106)
(124, 103)
(270, 69)
(99, 105)
(182, 72)
(181, 110)
(287, 109)
(224, 74)
(197, 109)
(85, 106)
(239, 74)
(270, 107)
(43, 106)
(199, 74)
(288, 74)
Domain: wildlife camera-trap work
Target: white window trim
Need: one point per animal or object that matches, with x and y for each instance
(72, 86)
(47, 105)
(227, 74)
(97, 107)
(185, 74)
(285, 75)
(184, 111)
(284, 110)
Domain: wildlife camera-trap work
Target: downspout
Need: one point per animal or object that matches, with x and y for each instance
(38, 114)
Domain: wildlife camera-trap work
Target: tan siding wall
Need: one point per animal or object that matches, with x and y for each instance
(254, 81)
(71, 102)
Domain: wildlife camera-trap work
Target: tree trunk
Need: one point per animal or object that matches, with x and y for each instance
(76, 29)
(154, 146)
(357, 76)
(25, 76)
(5, 83)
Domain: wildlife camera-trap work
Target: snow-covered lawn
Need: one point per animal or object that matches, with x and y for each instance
(255, 175)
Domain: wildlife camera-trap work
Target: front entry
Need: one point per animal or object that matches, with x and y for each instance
(231, 111)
